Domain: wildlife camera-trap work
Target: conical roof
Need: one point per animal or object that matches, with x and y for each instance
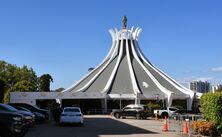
(126, 70)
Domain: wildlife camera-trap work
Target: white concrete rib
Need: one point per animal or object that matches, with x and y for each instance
(113, 34)
(103, 68)
(111, 78)
(159, 72)
(161, 88)
(132, 75)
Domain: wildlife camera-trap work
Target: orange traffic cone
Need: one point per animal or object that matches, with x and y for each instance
(185, 127)
(165, 127)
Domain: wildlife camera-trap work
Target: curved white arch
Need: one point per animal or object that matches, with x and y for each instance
(109, 82)
(164, 90)
(103, 68)
(158, 71)
(113, 33)
(132, 75)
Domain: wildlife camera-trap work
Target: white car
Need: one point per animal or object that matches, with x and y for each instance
(71, 115)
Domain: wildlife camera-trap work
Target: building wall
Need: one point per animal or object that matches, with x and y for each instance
(200, 86)
(216, 87)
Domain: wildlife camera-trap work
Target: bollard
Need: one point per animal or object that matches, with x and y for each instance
(156, 116)
(193, 119)
(179, 126)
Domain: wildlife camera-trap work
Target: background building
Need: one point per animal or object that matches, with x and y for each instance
(216, 87)
(200, 86)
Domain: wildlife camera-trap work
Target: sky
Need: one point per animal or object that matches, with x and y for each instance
(183, 38)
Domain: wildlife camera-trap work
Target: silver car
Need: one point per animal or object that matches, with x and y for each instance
(71, 115)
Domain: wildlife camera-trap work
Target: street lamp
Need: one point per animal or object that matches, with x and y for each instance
(163, 101)
(136, 99)
(120, 101)
(195, 103)
(158, 98)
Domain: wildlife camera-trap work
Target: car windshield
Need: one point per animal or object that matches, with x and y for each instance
(71, 110)
(173, 109)
(9, 108)
(22, 108)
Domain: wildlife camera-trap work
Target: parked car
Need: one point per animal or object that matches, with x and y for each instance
(9, 108)
(71, 115)
(38, 116)
(11, 123)
(33, 109)
(166, 112)
(134, 110)
(28, 114)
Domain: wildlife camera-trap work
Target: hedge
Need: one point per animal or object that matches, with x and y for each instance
(211, 107)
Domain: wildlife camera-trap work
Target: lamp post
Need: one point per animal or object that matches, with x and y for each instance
(120, 101)
(136, 100)
(158, 98)
(163, 101)
(195, 103)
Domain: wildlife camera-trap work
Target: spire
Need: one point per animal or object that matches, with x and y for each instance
(124, 21)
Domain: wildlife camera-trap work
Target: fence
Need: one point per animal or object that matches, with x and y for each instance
(176, 122)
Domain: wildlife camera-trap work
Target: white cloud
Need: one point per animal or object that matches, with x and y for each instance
(218, 69)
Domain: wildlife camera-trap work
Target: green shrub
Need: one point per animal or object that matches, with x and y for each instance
(211, 107)
(153, 106)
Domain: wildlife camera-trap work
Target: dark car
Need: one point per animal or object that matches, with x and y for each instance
(32, 109)
(11, 123)
(135, 110)
(9, 108)
(29, 116)
(38, 116)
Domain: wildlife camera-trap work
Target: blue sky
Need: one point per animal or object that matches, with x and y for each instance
(64, 38)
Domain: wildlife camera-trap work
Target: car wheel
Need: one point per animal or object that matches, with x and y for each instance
(60, 124)
(138, 116)
(117, 115)
(144, 117)
(5, 132)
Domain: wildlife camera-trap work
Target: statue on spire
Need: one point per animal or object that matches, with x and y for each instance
(124, 22)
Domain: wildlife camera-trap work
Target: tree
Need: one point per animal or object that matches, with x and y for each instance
(44, 82)
(23, 86)
(2, 87)
(14, 76)
(29, 76)
(211, 107)
(59, 89)
(90, 69)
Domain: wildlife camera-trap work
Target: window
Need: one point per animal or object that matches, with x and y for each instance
(71, 110)
(173, 109)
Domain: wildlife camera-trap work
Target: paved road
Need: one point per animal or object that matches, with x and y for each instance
(103, 126)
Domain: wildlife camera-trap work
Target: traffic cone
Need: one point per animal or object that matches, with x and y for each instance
(165, 127)
(185, 127)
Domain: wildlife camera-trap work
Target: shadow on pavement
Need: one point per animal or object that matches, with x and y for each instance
(93, 127)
